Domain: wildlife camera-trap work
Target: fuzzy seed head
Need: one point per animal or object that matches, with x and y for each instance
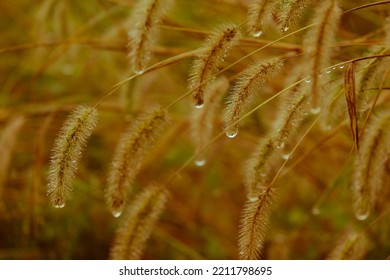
(67, 151)
(248, 85)
(144, 31)
(138, 223)
(130, 152)
(370, 165)
(254, 223)
(211, 55)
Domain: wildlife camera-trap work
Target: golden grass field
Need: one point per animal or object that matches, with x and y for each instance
(175, 129)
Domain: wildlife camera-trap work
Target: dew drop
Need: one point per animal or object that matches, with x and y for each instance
(328, 127)
(117, 213)
(138, 71)
(361, 216)
(200, 162)
(232, 132)
(285, 29)
(341, 66)
(315, 110)
(257, 34)
(328, 71)
(253, 198)
(60, 205)
(286, 156)
(199, 105)
(316, 211)
(308, 81)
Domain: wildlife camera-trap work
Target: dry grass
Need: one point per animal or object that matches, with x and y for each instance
(65, 54)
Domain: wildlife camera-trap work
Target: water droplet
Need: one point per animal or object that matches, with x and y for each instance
(232, 132)
(315, 211)
(285, 29)
(333, 68)
(308, 81)
(328, 71)
(199, 104)
(257, 34)
(286, 156)
(117, 213)
(253, 198)
(139, 71)
(315, 110)
(361, 216)
(60, 205)
(200, 162)
(341, 66)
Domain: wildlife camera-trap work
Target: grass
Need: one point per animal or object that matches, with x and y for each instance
(58, 55)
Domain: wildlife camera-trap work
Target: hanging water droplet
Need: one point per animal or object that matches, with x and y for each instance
(60, 205)
(341, 66)
(307, 81)
(315, 110)
(117, 213)
(257, 34)
(199, 104)
(328, 71)
(315, 211)
(253, 198)
(361, 216)
(285, 29)
(286, 156)
(333, 68)
(200, 162)
(232, 132)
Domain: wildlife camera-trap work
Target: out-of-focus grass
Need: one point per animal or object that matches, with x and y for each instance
(55, 55)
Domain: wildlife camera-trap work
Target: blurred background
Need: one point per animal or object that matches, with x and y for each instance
(57, 54)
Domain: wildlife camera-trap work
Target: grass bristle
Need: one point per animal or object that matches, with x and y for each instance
(130, 152)
(254, 223)
(211, 55)
(138, 223)
(67, 151)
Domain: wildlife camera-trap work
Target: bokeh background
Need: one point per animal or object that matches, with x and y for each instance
(55, 55)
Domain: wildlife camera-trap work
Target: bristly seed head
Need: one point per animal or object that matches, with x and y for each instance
(67, 151)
